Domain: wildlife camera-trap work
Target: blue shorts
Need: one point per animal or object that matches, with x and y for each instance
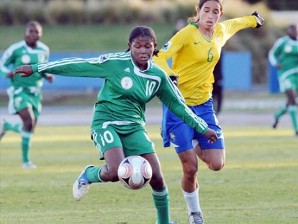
(183, 137)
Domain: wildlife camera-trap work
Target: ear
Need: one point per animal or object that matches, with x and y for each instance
(129, 45)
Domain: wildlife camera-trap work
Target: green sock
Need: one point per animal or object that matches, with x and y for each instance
(281, 111)
(293, 115)
(161, 200)
(93, 174)
(26, 143)
(12, 127)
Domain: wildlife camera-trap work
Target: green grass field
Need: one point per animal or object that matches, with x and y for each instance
(259, 183)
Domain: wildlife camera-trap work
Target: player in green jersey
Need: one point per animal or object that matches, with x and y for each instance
(284, 55)
(195, 50)
(118, 126)
(25, 98)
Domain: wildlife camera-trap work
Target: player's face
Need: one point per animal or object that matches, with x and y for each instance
(293, 32)
(142, 49)
(210, 14)
(32, 35)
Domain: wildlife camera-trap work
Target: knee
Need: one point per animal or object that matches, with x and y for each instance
(190, 169)
(157, 181)
(216, 165)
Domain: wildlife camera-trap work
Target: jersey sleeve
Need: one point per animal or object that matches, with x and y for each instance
(232, 26)
(6, 60)
(77, 67)
(168, 50)
(47, 57)
(171, 97)
(275, 52)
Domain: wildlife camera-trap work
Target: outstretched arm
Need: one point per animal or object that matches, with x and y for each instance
(75, 67)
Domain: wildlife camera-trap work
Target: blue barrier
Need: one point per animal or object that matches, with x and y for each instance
(273, 84)
(237, 70)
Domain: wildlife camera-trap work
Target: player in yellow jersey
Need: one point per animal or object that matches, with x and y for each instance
(194, 51)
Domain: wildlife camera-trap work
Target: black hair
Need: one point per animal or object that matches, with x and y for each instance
(143, 31)
(34, 23)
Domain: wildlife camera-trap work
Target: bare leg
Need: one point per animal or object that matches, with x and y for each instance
(214, 158)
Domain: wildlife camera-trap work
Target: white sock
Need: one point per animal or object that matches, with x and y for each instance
(192, 201)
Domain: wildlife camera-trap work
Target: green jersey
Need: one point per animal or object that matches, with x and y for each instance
(285, 52)
(126, 90)
(21, 54)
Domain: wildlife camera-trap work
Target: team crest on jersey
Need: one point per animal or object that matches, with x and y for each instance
(167, 45)
(288, 48)
(103, 58)
(126, 82)
(25, 59)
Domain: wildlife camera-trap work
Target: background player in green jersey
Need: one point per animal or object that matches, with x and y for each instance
(25, 96)
(195, 50)
(284, 55)
(118, 126)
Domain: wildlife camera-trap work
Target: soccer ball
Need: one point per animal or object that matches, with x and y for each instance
(134, 172)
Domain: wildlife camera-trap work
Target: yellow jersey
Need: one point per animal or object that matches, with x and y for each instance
(194, 57)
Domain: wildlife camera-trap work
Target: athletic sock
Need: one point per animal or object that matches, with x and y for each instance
(192, 201)
(161, 201)
(26, 143)
(7, 126)
(93, 174)
(293, 115)
(281, 111)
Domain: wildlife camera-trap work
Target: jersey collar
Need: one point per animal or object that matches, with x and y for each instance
(194, 24)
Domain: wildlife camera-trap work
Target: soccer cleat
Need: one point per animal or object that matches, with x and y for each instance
(28, 166)
(296, 133)
(196, 218)
(81, 185)
(275, 123)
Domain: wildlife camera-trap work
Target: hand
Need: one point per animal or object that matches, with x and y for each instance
(25, 70)
(211, 135)
(259, 18)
